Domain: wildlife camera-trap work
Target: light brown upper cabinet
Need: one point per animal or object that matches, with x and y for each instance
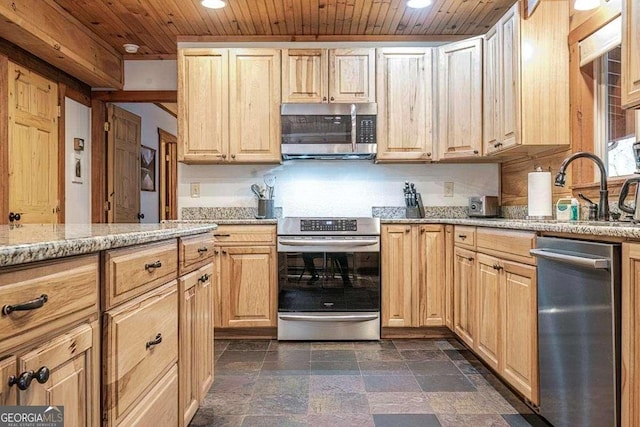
(404, 86)
(630, 57)
(328, 75)
(228, 105)
(526, 82)
(460, 99)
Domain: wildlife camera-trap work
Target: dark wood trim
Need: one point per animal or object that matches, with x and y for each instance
(604, 15)
(246, 333)
(136, 96)
(150, 57)
(33, 63)
(4, 139)
(161, 106)
(422, 332)
(62, 90)
(323, 38)
(79, 97)
(98, 161)
(168, 176)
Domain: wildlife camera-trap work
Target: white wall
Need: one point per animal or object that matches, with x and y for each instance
(77, 195)
(153, 117)
(151, 75)
(334, 188)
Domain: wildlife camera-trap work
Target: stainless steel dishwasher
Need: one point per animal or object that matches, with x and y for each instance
(579, 332)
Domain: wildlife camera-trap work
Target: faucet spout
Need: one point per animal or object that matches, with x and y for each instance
(561, 177)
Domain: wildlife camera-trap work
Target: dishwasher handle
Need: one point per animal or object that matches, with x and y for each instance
(594, 263)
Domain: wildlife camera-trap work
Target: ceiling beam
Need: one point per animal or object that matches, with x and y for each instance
(49, 32)
(154, 96)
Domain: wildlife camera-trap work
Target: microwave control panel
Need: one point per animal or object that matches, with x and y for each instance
(366, 132)
(328, 225)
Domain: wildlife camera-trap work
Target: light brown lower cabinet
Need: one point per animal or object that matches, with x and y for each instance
(630, 334)
(464, 293)
(489, 313)
(196, 339)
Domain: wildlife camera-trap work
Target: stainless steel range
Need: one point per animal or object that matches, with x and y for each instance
(329, 279)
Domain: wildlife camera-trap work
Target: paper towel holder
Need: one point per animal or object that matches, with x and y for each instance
(538, 168)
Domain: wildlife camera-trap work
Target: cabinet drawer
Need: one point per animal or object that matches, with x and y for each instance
(160, 406)
(194, 251)
(66, 290)
(465, 236)
(241, 234)
(141, 342)
(131, 271)
(507, 244)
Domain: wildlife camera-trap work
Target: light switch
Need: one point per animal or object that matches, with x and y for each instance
(448, 189)
(195, 189)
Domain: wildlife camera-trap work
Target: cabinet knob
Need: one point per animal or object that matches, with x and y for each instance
(428, 154)
(140, 216)
(23, 381)
(224, 156)
(14, 216)
(233, 156)
(203, 278)
(332, 98)
(470, 258)
(224, 252)
(475, 151)
(324, 98)
(216, 252)
(407, 229)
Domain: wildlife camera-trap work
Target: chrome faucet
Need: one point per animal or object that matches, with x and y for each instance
(561, 177)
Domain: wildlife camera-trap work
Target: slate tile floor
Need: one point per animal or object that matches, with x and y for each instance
(391, 383)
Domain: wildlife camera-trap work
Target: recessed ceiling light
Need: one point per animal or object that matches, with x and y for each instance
(418, 4)
(586, 4)
(213, 4)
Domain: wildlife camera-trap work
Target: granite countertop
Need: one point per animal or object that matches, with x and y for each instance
(226, 221)
(37, 242)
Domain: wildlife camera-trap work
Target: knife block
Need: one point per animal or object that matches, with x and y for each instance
(415, 211)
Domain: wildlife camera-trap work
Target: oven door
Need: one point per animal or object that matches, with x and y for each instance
(330, 274)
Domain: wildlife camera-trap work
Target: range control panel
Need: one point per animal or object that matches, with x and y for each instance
(328, 225)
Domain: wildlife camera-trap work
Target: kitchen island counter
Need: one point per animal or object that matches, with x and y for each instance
(36, 242)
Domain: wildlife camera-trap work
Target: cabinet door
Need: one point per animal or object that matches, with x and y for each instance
(460, 99)
(248, 282)
(431, 276)
(305, 74)
(217, 289)
(254, 105)
(8, 395)
(488, 336)
(519, 328)
(352, 75)
(397, 284)
(404, 82)
(448, 269)
(630, 57)
(73, 363)
(491, 91)
(464, 284)
(204, 329)
(630, 334)
(203, 106)
(509, 81)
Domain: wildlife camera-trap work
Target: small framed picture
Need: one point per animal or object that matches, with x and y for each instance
(78, 144)
(147, 168)
(77, 169)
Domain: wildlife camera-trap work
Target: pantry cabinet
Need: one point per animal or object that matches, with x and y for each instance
(328, 75)
(630, 49)
(518, 70)
(229, 105)
(404, 86)
(460, 99)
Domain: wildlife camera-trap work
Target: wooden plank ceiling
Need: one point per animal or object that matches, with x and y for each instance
(155, 24)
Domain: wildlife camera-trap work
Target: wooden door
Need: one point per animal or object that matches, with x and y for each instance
(431, 276)
(168, 175)
(460, 99)
(509, 81)
(397, 292)
(254, 105)
(8, 394)
(73, 363)
(404, 81)
(519, 328)
(33, 146)
(630, 57)
(488, 305)
(630, 328)
(491, 91)
(352, 75)
(305, 74)
(249, 288)
(123, 160)
(464, 290)
(203, 105)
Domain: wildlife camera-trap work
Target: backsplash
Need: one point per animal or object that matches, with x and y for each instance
(393, 212)
(335, 188)
(194, 214)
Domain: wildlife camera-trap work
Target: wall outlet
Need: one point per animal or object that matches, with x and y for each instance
(448, 189)
(195, 189)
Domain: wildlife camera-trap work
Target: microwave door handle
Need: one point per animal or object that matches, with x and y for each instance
(353, 127)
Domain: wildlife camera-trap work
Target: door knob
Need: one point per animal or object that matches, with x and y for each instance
(140, 216)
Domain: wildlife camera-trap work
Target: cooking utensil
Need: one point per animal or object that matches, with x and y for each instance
(257, 191)
(270, 182)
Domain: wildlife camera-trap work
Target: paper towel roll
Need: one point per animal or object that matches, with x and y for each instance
(539, 194)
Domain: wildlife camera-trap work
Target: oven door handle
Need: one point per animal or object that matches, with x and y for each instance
(353, 127)
(294, 242)
(337, 317)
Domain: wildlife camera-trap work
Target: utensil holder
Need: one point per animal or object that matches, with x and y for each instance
(265, 209)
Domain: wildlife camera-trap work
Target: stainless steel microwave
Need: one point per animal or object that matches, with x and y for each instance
(328, 131)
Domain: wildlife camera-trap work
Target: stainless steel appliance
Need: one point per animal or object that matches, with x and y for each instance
(624, 191)
(579, 332)
(484, 206)
(329, 279)
(328, 131)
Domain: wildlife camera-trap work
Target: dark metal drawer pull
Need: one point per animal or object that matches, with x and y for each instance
(222, 235)
(156, 264)
(157, 341)
(201, 250)
(462, 236)
(26, 306)
(204, 278)
(23, 381)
